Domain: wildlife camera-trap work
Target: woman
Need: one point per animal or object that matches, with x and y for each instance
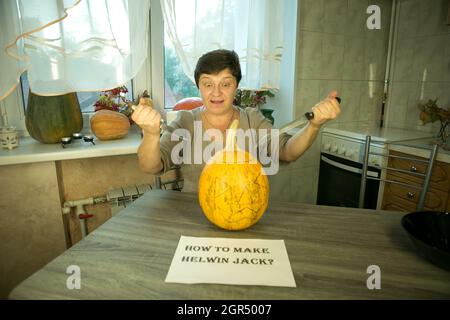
(217, 75)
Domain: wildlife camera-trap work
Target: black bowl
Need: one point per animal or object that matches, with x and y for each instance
(430, 233)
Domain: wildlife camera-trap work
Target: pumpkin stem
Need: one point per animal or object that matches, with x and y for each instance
(231, 135)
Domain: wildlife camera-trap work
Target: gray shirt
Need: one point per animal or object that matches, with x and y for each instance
(250, 118)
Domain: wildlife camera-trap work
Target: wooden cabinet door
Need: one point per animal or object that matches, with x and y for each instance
(440, 178)
(403, 198)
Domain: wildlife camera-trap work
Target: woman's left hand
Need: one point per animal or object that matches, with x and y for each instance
(326, 110)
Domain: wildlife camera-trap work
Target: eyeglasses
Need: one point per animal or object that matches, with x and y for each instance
(224, 85)
(77, 136)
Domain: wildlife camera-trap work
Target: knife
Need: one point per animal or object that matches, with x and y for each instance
(300, 122)
(287, 127)
(162, 123)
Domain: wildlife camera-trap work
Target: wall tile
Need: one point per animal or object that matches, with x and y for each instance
(280, 185)
(433, 17)
(311, 15)
(303, 187)
(351, 95)
(408, 21)
(315, 174)
(429, 58)
(397, 105)
(328, 85)
(307, 96)
(446, 63)
(375, 55)
(310, 53)
(353, 68)
(386, 11)
(332, 56)
(439, 90)
(335, 14)
(371, 97)
(355, 24)
(309, 158)
(404, 57)
(412, 120)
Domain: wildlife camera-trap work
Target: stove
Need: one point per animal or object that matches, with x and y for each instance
(341, 159)
(349, 143)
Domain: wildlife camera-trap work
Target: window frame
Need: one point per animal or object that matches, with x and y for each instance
(157, 53)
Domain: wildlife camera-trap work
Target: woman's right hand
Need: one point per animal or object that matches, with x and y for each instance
(147, 118)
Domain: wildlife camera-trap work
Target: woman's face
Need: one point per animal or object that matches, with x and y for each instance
(218, 91)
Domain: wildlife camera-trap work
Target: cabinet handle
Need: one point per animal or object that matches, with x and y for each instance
(413, 169)
(410, 195)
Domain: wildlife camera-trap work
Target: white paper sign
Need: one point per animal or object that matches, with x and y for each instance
(231, 261)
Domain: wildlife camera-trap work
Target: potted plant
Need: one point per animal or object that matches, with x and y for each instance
(429, 113)
(112, 114)
(246, 98)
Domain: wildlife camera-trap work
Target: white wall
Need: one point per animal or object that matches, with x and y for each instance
(334, 50)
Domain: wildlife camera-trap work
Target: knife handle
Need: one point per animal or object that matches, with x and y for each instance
(310, 115)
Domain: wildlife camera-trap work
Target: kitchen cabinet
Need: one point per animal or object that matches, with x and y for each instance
(404, 198)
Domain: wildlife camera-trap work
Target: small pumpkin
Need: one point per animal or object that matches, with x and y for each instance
(233, 191)
(188, 104)
(50, 118)
(109, 125)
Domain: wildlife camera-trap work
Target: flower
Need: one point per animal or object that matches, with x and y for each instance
(251, 98)
(430, 112)
(114, 100)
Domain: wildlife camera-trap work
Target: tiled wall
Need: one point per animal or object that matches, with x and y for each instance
(335, 50)
(421, 62)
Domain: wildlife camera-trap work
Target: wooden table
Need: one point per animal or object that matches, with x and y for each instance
(329, 248)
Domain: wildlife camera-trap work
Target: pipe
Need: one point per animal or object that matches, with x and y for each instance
(390, 50)
(80, 211)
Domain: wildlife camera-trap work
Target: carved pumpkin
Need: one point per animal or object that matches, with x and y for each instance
(233, 191)
(109, 125)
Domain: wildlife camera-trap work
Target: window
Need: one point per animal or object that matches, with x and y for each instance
(86, 99)
(176, 84)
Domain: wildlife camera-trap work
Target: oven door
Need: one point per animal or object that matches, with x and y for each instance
(340, 181)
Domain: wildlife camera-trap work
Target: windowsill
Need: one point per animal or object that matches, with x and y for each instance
(30, 150)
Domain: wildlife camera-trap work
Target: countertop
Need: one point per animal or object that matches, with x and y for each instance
(381, 135)
(421, 148)
(407, 141)
(329, 248)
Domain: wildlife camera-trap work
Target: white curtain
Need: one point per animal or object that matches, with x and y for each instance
(71, 45)
(253, 28)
